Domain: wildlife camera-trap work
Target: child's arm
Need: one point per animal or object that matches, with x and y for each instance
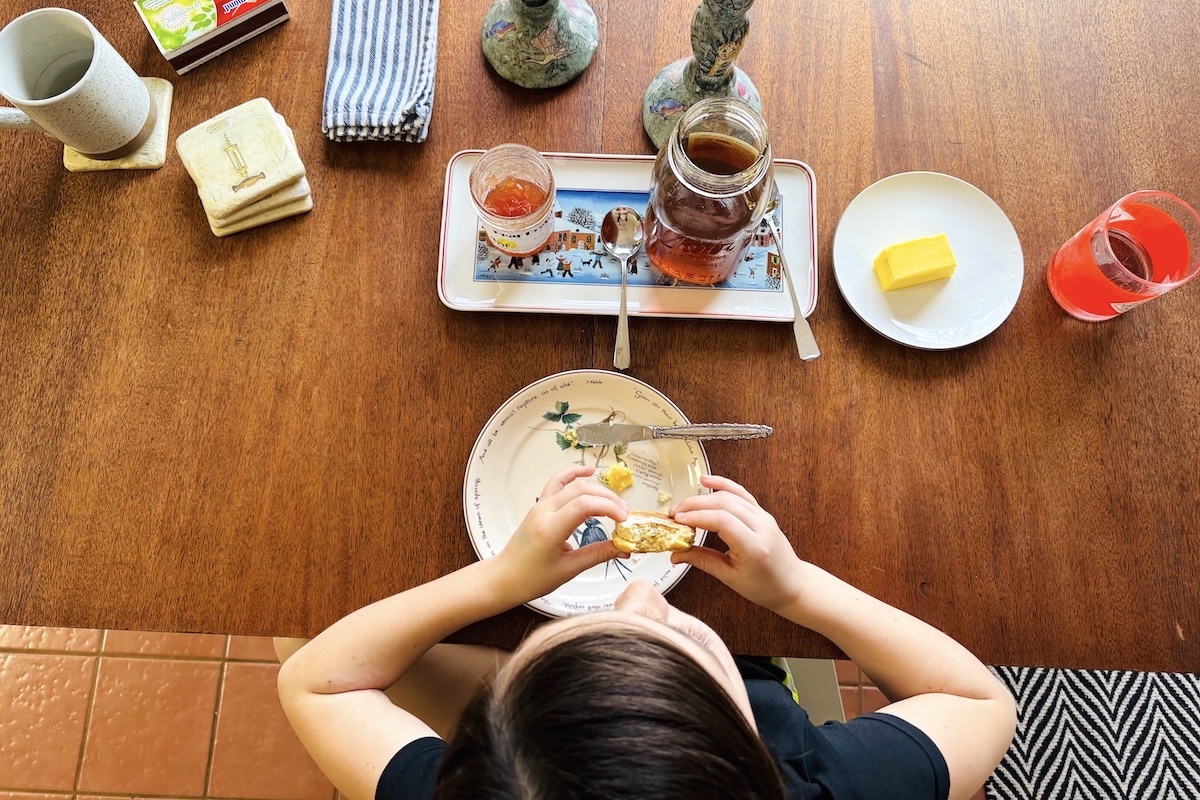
(933, 682)
(332, 688)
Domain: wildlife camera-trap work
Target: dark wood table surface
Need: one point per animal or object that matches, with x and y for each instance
(261, 433)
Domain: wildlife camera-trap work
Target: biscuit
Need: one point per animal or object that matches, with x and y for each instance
(652, 532)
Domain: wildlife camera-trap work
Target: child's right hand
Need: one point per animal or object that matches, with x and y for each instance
(761, 564)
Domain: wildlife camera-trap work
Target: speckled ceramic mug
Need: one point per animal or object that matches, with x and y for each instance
(69, 82)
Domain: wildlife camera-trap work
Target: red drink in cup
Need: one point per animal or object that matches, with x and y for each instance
(1145, 245)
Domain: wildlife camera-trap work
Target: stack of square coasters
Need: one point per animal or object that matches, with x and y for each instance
(246, 168)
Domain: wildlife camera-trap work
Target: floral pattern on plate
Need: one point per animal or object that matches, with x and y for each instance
(531, 436)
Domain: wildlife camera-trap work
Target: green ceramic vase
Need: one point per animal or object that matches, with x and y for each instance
(539, 44)
(719, 29)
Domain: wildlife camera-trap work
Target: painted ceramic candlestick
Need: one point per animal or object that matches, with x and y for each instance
(540, 43)
(719, 30)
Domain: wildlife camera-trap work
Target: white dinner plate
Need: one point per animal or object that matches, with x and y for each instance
(942, 314)
(521, 447)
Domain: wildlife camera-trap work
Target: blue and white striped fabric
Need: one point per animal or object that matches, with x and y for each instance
(379, 79)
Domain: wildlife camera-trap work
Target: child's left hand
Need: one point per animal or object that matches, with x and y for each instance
(538, 559)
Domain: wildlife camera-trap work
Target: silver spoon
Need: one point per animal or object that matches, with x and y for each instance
(622, 234)
(806, 344)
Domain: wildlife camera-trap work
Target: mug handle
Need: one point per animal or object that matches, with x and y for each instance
(13, 118)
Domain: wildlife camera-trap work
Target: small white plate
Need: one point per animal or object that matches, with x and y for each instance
(597, 182)
(942, 314)
(520, 448)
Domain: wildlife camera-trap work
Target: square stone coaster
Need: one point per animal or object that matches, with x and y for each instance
(288, 194)
(151, 155)
(239, 157)
(274, 215)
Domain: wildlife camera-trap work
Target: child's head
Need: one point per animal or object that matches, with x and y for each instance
(628, 704)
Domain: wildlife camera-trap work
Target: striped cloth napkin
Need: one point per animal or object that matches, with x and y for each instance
(379, 78)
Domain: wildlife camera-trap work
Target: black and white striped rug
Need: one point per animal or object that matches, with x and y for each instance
(1101, 735)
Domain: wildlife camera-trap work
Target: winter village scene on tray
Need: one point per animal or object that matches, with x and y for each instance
(576, 254)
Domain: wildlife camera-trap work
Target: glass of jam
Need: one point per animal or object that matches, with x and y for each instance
(712, 182)
(512, 188)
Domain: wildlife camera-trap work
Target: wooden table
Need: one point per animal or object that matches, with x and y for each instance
(261, 433)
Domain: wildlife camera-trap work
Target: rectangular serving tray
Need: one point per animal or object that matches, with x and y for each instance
(578, 279)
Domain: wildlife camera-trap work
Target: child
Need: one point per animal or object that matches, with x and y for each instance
(643, 701)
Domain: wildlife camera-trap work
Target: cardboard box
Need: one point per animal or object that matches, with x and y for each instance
(191, 32)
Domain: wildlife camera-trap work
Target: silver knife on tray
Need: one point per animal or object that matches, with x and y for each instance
(605, 433)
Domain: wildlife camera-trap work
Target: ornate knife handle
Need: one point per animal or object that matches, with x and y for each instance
(732, 430)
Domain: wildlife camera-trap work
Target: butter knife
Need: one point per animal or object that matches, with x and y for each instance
(603, 433)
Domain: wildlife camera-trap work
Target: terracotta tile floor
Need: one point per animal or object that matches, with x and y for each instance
(99, 715)
(105, 714)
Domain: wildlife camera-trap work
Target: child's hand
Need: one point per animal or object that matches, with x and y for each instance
(761, 564)
(538, 559)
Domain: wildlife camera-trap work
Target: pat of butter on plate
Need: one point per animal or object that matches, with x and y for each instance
(913, 262)
(618, 477)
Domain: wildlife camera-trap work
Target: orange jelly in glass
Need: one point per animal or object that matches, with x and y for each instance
(514, 197)
(512, 188)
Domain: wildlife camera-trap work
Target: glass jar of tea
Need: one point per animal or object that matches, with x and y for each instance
(712, 182)
(512, 189)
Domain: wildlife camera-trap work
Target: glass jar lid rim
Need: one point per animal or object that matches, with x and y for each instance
(721, 184)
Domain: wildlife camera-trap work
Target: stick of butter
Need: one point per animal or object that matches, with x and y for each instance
(917, 261)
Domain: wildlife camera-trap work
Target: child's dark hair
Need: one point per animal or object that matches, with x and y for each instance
(612, 714)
